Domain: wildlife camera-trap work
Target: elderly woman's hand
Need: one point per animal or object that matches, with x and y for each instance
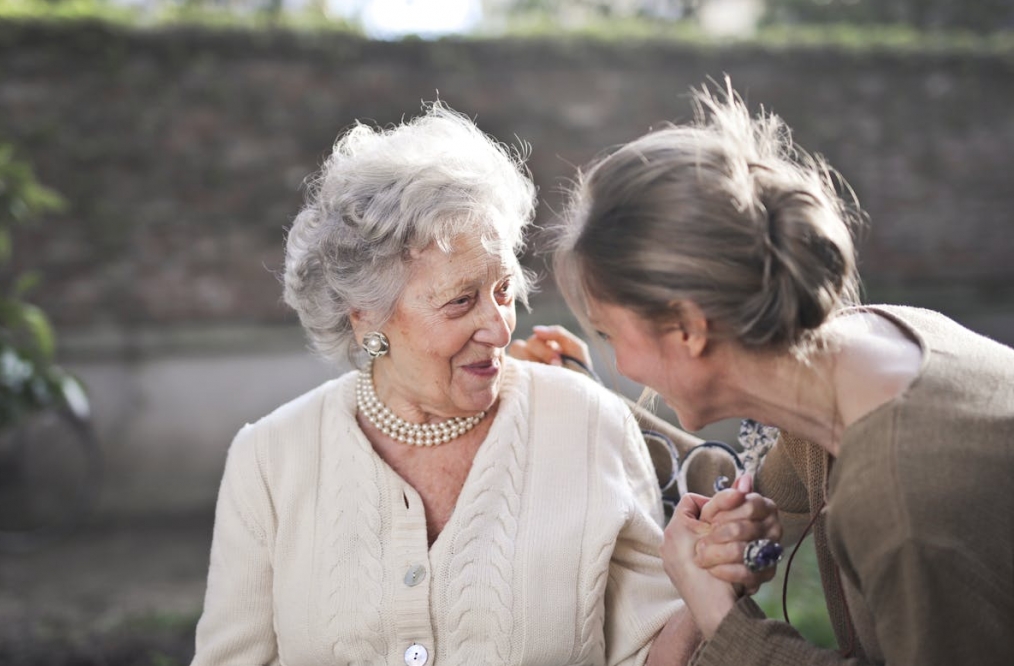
(736, 517)
(547, 344)
(708, 598)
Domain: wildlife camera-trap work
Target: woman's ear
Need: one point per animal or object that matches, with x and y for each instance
(360, 324)
(694, 327)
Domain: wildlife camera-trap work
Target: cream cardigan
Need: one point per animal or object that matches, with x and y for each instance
(551, 557)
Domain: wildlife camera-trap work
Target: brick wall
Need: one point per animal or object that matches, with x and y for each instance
(181, 151)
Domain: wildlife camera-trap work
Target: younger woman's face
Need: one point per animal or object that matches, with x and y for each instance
(658, 359)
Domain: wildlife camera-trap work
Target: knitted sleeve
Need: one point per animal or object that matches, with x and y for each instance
(780, 480)
(747, 638)
(639, 596)
(236, 626)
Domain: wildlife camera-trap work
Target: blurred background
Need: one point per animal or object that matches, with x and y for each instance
(153, 153)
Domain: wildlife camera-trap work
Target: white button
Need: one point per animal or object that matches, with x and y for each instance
(416, 655)
(415, 575)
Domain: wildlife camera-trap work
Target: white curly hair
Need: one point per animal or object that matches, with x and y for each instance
(385, 193)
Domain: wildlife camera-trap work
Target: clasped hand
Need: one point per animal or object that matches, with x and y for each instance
(704, 545)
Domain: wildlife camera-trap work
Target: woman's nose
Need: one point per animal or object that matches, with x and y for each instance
(495, 324)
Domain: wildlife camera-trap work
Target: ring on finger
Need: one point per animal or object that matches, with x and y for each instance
(761, 554)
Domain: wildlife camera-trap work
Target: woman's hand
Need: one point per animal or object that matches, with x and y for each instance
(708, 598)
(547, 344)
(735, 517)
(703, 549)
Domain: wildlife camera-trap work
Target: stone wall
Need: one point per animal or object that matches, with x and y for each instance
(181, 153)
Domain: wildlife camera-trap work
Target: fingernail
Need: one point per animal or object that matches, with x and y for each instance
(556, 360)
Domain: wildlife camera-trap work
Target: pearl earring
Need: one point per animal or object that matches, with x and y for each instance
(376, 344)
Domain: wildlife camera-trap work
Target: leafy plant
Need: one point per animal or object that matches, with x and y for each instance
(30, 380)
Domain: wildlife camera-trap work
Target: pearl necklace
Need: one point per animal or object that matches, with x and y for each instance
(397, 428)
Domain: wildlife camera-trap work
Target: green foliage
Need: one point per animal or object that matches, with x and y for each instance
(67, 10)
(255, 14)
(977, 16)
(805, 597)
(886, 38)
(598, 28)
(853, 25)
(981, 16)
(29, 378)
(832, 37)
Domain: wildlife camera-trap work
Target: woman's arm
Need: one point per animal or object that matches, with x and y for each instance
(734, 629)
(641, 605)
(779, 478)
(638, 594)
(676, 643)
(733, 514)
(236, 626)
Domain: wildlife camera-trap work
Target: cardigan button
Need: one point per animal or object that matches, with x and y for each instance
(416, 655)
(415, 575)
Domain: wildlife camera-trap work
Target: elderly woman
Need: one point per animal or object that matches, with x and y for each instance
(443, 503)
(718, 261)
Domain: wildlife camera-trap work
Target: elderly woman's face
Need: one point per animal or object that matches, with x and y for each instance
(449, 332)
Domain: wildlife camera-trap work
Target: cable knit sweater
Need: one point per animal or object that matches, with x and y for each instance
(916, 544)
(320, 552)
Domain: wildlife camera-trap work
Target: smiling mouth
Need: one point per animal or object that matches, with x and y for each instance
(487, 364)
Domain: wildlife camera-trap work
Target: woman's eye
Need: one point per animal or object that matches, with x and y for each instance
(506, 290)
(602, 335)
